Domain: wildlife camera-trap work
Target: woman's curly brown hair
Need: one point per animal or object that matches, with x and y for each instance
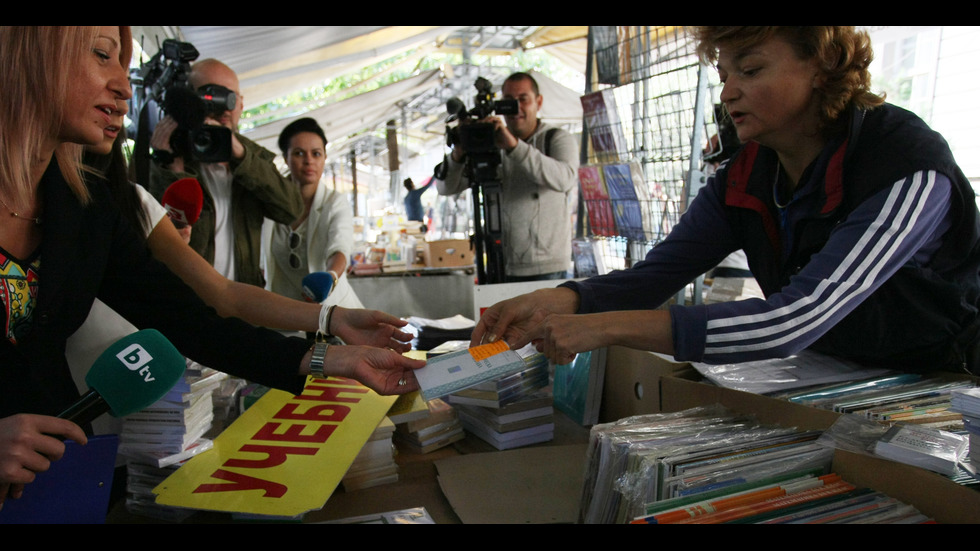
(842, 53)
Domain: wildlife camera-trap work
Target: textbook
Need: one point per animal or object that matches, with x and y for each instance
(455, 371)
(932, 449)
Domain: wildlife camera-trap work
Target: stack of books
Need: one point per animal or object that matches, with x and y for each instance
(500, 391)
(908, 398)
(512, 410)
(156, 440)
(527, 420)
(804, 499)
(934, 449)
(375, 463)
(966, 402)
(438, 429)
(140, 500)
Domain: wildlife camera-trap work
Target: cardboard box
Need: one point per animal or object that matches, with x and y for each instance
(447, 253)
(632, 382)
(932, 494)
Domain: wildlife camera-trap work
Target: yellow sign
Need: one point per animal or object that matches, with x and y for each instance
(285, 455)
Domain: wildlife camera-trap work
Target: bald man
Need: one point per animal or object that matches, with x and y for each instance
(238, 194)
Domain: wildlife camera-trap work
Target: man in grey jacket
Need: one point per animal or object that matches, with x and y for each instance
(538, 174)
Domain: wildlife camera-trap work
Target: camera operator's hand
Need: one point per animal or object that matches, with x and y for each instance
(237, 149)
(502, 137)
(160, 141)
(458, 152)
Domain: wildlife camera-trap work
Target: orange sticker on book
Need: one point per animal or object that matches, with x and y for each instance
(484, 351)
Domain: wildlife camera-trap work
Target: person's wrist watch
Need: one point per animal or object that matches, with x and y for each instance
(319, 351)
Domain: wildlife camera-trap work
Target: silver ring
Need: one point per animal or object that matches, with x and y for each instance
(402, 382)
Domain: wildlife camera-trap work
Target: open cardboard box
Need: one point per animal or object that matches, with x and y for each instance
(932, 494)
(632, 382)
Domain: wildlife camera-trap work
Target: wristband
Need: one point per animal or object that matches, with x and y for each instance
(326, 314)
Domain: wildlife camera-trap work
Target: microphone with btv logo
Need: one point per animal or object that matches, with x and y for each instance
(183, 201)
(316, 286)
(132, 374)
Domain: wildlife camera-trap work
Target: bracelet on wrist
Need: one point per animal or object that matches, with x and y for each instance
(329, 317)
(318, 355)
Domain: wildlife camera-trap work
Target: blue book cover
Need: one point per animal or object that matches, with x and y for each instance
(625, 203)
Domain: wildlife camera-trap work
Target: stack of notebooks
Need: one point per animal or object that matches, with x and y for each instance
(907, 398)
(375, 463)
(437, 429)
(510, 411)
(803, 499)
(707, 459)
(158, 439)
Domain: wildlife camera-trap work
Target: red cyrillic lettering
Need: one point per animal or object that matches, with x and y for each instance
(240, 482)
(276, 456)
(337, 413)
(329, 394)
(292, 433)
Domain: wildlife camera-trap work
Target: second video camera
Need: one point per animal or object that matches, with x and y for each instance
(476, 138)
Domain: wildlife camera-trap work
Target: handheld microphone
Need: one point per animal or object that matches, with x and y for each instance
(316, 286)
(183, 201)
(130, 375)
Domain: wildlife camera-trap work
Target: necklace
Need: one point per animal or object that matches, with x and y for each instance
(16, 215)
(775, 189)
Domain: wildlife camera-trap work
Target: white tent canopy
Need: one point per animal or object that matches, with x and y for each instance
(275, 61)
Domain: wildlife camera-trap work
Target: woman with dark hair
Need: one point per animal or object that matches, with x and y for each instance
(322, 238)
(64, 244)
(857, 223)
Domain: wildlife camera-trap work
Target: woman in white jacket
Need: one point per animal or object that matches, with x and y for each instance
(322, 238)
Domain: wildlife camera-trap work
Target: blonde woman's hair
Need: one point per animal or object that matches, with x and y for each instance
(36, 66)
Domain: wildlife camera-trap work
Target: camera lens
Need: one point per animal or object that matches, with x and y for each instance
(202, 141)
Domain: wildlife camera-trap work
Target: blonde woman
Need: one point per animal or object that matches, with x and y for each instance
(64, 244)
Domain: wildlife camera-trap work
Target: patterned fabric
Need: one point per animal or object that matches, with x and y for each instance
(18, 293)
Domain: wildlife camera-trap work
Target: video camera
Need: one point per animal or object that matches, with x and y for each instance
(482, 159)
(476, 138)
(164, 78)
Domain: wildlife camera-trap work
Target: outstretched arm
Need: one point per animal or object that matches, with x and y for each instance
(514, 319)
(370, 328)
(384, 371)
(264, 308)
(547, 318)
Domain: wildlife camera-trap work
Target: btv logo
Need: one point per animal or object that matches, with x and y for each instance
(136, 358)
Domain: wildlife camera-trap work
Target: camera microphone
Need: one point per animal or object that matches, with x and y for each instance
(133, 373)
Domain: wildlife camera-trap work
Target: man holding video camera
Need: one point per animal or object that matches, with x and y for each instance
(538, 169)
(238, 193)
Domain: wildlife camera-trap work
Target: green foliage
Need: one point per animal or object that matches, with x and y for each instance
(365, 80)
